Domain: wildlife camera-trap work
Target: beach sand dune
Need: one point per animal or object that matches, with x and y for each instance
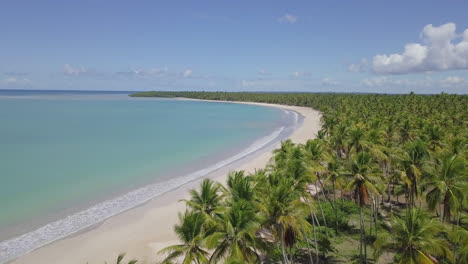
(141, 232)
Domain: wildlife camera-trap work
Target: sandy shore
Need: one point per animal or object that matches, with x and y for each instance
(142, 231)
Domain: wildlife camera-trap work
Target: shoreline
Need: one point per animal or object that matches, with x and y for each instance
(134, 231)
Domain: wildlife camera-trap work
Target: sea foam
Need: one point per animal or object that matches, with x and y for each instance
(15, 247)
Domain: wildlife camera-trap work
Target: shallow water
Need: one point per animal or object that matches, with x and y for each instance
(69, 160)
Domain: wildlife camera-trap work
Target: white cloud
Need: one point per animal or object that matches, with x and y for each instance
(288, 19)
(453, 81)
(16, 74)
(329, 82)
(16, 81)
(263, 72)
(145, 73)
(300, 74)
(426, 83)
(443, 49)
(274, 85)
(187, 73)
(376, 81)
(74, 71)
(363, 66)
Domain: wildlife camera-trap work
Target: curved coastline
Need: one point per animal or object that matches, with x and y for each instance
(141, 231)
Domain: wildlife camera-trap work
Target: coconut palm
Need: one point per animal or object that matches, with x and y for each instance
(412, 163)
(283, 213)
(239, 186)
(459, 237)
(121, 257)
(363, 172)
(357, 138)
(433, 135)
(233, 239)
(281, 155)
(207, 199)
(446, 184)
(191, 233)
(415, 238)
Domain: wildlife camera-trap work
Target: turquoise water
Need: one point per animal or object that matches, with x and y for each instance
(64, 152)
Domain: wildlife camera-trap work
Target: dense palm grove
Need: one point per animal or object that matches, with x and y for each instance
(385, 181)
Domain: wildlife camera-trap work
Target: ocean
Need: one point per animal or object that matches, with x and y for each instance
(70, 159)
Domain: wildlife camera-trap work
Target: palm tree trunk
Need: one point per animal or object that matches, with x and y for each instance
(376, 215)
(371, 215)
(334, 207)
(315, 237)
(321, 211)
(283, 246)
(361, 238)
(308, 246)
(446, 208)
(363, 244)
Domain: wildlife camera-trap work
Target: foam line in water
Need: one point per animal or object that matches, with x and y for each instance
(15, 247)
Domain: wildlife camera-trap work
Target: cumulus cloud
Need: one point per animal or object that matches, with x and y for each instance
(453, 81)
(288, 19)
(144, 73)
(263, 72)
(329, 82)
(363, 66)
(75, 70)
(300, 74)
(426, 83)
(16, 81)
(442, 49)
(158, 73)
(16, 74)
(186, 73)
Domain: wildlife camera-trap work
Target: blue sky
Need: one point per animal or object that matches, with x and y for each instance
(313, 46)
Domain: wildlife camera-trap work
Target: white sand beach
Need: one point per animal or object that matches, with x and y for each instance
(141, 232)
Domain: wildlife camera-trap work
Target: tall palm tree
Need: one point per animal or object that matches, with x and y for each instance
(338, 140)
(121, 257)
(335, 176)
(412, 165)
(363, 171)
(191, 233)
(239, 186)
(207, 199)
(233, 239)
(281, 155)
(415, 238)
(459, 237)
(433, 135)
(357, 138)
(446, 184)
(283, 213)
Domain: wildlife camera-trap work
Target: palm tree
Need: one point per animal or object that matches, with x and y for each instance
(207, 199)
(364, 178)
(338, 140)
(240, 187)
(412, 163)
(281, 155)
(336, 177)
(233, 239)
(446, 184)
(121, 257)
(459, 237)
(415, 238)
(357, 138)
(433, 136)
(283, 213)
(191, 233)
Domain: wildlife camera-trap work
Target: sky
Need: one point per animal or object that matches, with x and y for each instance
(309, 46)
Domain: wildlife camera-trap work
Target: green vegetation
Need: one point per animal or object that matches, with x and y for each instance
(384, 182)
